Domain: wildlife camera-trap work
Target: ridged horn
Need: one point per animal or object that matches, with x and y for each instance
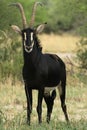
(33, 13)
(20, 7)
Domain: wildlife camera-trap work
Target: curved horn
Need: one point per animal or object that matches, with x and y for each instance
(33, 13)
(20, 7)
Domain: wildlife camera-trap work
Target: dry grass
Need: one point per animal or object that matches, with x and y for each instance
(14, 102)
(14, 96)
(59, 43)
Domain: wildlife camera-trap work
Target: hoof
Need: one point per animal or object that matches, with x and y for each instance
(28, 122)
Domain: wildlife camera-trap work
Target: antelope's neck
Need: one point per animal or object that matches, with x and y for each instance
(32, 58)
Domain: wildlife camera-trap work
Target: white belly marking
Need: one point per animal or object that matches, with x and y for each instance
(48, 90)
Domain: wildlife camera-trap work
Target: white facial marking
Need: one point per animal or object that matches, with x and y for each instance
(25, 36)
(31, 36)
(28, 49)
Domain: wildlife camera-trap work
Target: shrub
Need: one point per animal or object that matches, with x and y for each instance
(82, 53)
(10, 58)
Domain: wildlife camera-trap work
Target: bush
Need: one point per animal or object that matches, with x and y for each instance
(10, 59)
(82, 53)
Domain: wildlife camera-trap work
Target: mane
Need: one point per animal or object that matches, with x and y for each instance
(37, 41)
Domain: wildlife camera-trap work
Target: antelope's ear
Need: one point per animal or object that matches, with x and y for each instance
(16, 29)
(40, 28)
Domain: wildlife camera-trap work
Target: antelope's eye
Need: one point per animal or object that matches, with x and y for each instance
(31, 36)
(25, 36)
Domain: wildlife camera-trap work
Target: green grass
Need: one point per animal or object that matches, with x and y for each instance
(13, 107)
(54, 125)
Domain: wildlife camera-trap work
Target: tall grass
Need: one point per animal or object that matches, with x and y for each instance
(13, 107)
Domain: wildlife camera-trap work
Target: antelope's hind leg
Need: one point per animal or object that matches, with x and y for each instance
(62, 92)
(49, 99)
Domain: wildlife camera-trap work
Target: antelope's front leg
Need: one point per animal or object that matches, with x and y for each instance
(29, 102)
(39, 106)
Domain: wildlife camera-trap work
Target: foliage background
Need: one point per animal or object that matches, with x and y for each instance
(62, 16)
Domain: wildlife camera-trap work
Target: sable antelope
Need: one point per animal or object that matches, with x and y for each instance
(42, 72)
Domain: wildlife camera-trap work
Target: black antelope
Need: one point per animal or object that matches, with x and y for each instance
(43, 72)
